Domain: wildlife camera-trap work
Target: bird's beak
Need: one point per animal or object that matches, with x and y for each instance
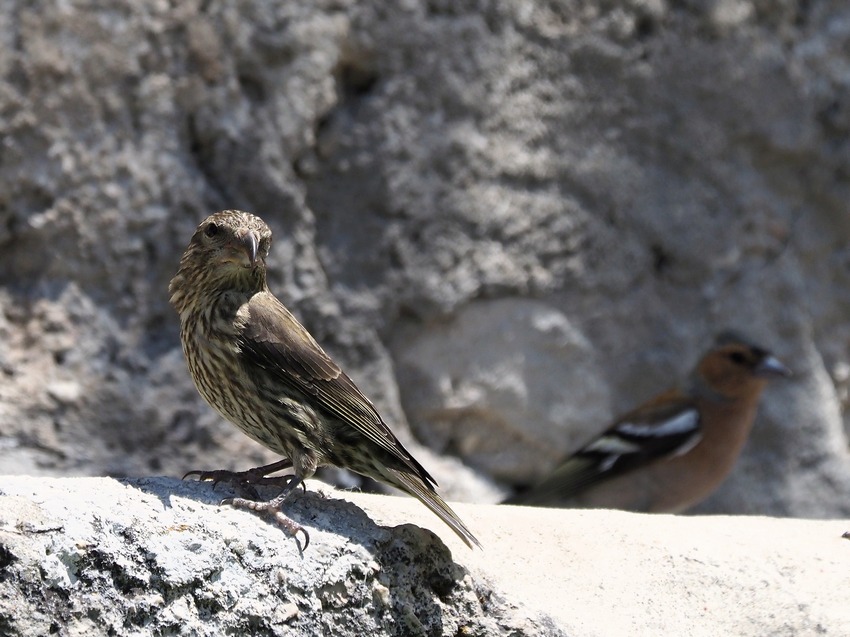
(251, 243)
(772, 367)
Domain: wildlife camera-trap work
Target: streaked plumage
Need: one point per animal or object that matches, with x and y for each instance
(674, 450)
(260, 368)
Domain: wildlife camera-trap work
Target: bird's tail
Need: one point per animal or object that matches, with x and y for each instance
(415, 486)
(557, 489)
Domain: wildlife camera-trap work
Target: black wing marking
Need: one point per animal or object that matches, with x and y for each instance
(667, 426)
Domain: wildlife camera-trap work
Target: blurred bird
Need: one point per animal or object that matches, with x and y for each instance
(671, 452)
(259, 368)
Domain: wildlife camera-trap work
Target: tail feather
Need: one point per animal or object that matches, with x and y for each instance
(567, 481)
(425, 493)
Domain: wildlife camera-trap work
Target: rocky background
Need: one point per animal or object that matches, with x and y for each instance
(509, 221)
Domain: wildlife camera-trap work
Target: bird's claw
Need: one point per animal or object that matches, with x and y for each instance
(244, 481)
(215, 476)
(257, 475)
(306, 538)
(272, 509)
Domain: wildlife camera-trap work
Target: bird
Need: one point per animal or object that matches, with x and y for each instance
(258, 367)
(672, 451)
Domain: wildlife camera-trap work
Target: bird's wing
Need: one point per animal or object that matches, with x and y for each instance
(274, 340)
(669, 425)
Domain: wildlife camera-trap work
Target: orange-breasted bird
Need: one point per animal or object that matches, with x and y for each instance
(671, 452)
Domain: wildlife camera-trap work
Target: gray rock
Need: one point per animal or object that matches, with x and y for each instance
(97, 556)
(647, 172)
(155, 556)
(505, 385)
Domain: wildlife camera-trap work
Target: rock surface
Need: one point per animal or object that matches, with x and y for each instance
(591, 190)
(97, 556)
(156, 556)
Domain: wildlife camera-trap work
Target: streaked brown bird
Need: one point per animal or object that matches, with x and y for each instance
(674, 450)
(260, 368)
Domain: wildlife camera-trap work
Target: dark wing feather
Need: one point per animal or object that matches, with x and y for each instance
(666, 426)
(274, 340)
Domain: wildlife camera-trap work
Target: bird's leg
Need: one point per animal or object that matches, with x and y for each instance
(274, 508)
(246, 480)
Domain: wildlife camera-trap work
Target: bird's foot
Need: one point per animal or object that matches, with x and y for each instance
(274, 509)
(245, 481)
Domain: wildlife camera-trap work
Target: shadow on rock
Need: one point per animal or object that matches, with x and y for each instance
(313, 509)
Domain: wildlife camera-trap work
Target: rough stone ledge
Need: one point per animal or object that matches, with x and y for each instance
(99, 556)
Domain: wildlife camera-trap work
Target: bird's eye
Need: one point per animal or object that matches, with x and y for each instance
(738, 358)
(211, 230)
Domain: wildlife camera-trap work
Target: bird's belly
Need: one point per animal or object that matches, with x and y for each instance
(232, 394)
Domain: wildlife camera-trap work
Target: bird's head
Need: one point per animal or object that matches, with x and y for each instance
(734, 367)
(227, 252)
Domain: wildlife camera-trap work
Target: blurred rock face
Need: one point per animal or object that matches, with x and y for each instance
(509, 222)
(506, 385)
